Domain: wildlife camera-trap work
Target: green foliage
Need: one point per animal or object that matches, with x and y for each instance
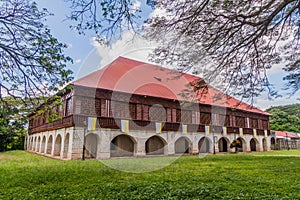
(236, 143)
(32, 61)
(232, 176)
(285, 118)
(12, 124)
(233, 43)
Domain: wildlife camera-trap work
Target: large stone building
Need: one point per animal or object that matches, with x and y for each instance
(131, 108)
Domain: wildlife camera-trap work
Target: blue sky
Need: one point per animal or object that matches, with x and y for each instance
(89, 56)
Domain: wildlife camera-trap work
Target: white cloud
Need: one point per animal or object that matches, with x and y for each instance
(77, 60)
(136, 5)
(131, 46)
(263, 102)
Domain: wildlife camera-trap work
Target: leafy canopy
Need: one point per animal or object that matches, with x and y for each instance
(32, 61)
(236, 41)
(12, 124)
(285, 118)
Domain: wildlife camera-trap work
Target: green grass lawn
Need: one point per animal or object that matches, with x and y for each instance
(267, 175)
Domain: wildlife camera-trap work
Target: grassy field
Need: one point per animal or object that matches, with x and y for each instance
(271, 175)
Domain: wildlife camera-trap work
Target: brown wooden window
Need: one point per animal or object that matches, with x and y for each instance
(157, 113)
(31, 123)
(174, 115)
(265, 124)
(195, 117)
(224, 120)
(169, 114)
(178, 115)
(240, 121)
(145, 112)
(132, 110)
(106, 108)
(119, 109)
(205, 118)
(186, 116)
(98, 107)
(253, 123)
(68, 109)
(139, 112)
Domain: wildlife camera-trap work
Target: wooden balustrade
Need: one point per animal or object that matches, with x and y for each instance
(260, 132)
(115, 123)
(248, 131)
(61, 123)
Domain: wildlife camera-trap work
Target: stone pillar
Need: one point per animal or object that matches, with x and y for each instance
(53, 133)
(195, 148)
(103, 148)
(170, 149)
(141, 147)
(62, 147)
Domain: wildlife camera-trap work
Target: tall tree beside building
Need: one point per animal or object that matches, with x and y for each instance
(32, 61)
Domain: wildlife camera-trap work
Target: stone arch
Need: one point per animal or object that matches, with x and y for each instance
(66, 145)
(57, 145)
(254, 145)
(122, 145)
(91, 143)
(204, 145)
(182, 145)
(243, 147)
(49, 145)
(38, 144)
(264, 143)
(223, 144)
(155, 145)
(273, 143)
(43, 144)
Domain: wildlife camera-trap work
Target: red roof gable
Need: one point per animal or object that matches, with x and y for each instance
(135, 77)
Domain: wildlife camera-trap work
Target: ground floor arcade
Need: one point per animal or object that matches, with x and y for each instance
(67, 143)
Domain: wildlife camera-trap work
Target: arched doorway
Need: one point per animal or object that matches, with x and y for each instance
(43, 144)
(242, 147)
(273, 145)
(33, 144)
(49, 145)
(155, 146)
(91, 145)
(223, 145)
(57, 146)
(122, 145)
(253, 145)
(264, 141)
(204, 145)
(182, 145)
(38, 144)
(66, 145)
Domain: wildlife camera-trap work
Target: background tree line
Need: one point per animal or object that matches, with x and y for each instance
(285, 118)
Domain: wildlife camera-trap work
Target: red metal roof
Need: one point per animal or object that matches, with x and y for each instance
(135, 77)
(285, 134)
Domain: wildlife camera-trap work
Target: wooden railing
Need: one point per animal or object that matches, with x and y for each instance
(62, 123)
(260, 132)
(115, 123)
(248, 131)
